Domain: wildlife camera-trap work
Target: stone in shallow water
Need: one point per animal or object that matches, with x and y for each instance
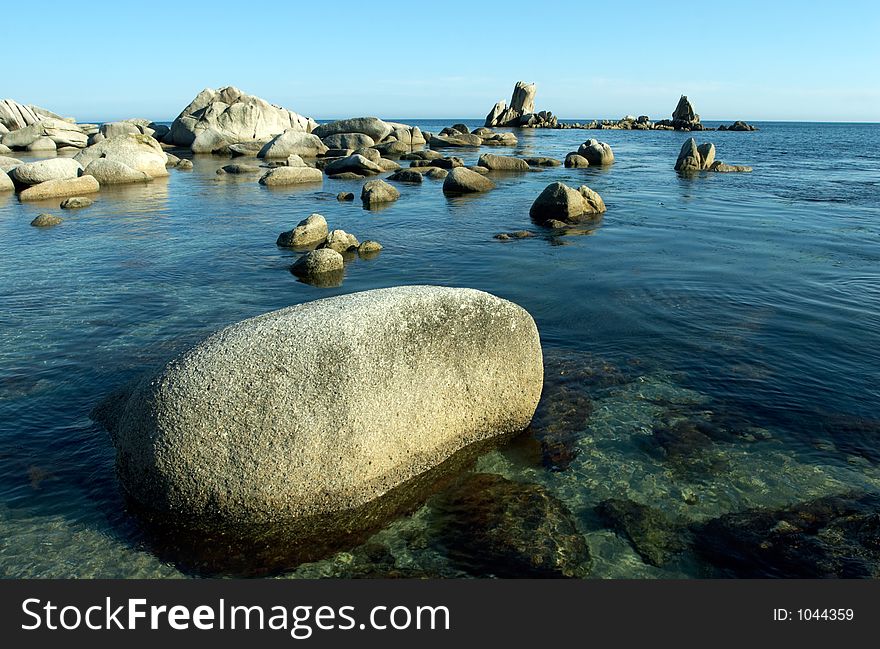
(832, 537)
(652, 534)
(325, 406)
(76, 202)
(46, 220)
(492, 526)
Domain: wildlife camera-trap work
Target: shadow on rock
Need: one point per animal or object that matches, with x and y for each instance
(272, 550)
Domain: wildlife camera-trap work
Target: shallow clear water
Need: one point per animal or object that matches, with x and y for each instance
(749, 301)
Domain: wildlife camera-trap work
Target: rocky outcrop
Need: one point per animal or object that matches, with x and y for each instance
(232, 116)
(693, 159)
(62, 133)
(738, 125)
(464, 181)
(14, 116)
(137, 151)
(684, 118)
(60, 189)
(521, 110)
(377, 388)
(559, 202)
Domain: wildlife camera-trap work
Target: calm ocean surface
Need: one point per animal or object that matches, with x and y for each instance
(712, 344)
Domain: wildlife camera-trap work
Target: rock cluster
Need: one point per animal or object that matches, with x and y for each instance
(318, 265)
(693, 159)
(216, 119)
(738, 125)
(521, 111)
(590, 153)
(458, 135)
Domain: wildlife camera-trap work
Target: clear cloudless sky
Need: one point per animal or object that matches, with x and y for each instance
(752, 60)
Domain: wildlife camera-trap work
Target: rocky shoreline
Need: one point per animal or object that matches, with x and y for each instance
(376, 389)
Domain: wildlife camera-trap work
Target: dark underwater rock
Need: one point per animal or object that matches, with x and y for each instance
(490, 526)
(832, 537)
(653, 535)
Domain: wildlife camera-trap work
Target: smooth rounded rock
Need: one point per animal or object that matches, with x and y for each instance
(113, 172)
(33, 173)
(280, 176)
(76, 203)
(308, 232)
(323, 407)
(463, 181)
(60, 188)
(46, 220)
(378, 191)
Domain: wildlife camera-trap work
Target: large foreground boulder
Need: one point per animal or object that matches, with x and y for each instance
(326, 406)
(233, 116)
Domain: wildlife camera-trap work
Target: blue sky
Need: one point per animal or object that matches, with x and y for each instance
(745, 60)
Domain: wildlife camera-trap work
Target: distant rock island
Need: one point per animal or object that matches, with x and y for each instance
(521, 114)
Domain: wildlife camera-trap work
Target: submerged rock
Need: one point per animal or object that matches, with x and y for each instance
(345, 196)
(46, 220)
(493, 527)
(407, 176)
(835, 537)
(76, 202)
(324, 406)
(656, 538)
